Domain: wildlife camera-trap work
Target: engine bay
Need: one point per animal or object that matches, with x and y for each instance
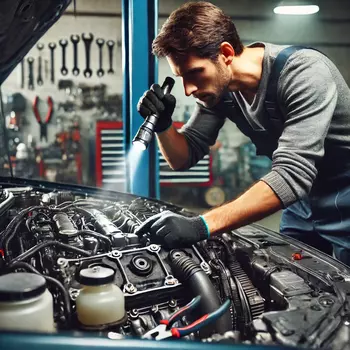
(279, 291)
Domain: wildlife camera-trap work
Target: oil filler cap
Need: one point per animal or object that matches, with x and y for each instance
(21, 286)
(96, 276)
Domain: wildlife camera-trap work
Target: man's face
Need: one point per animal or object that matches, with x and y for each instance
(203, 78)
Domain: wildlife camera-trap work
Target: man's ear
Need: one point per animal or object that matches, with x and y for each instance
(228, 52)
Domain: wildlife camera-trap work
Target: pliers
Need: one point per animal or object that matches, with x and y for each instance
(43, 124)
(164, 329)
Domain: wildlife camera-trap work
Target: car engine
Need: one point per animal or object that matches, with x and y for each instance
(280, 292)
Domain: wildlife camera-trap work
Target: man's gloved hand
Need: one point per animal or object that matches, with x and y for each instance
(154, 101)
(174, 230)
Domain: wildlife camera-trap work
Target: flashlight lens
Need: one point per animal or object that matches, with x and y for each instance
(139, 145)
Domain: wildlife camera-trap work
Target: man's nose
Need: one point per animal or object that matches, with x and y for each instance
(189, 88)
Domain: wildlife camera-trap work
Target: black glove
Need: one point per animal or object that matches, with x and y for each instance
(174, 230)
(154, 101)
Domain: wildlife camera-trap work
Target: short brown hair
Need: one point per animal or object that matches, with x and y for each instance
(199, 28)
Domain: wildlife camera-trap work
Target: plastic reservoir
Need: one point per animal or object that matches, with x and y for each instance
(100, 302)
(25, 303)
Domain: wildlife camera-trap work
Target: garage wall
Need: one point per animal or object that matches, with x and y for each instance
(326, 31)
(254, 20)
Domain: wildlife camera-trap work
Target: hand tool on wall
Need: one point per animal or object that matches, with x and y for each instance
(40, 65)
(46, 69)
(110, 45)
(52, 47)
(30, 61)
(87, 42)
(22, 74)
(63, 43)
(75, 40)
(18, 104)
(43, 124)
(100, 43)
(165, 329)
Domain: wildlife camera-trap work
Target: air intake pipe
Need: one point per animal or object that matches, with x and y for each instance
(190, 273)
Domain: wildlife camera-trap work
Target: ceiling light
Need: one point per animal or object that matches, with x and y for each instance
(297, 9)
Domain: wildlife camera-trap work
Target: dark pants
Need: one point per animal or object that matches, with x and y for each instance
(323, 219)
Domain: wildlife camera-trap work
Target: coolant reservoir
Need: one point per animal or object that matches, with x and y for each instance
(100, 302)
(25, 303)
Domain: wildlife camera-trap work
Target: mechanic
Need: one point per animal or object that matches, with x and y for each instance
(310, 174)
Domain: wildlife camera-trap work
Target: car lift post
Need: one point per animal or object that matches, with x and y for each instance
(140, 70)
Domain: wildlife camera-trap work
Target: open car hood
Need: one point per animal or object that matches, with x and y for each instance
(282, 293)
(22, 24)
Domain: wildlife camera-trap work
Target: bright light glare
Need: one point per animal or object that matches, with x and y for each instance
(296, 10)
(139, 145)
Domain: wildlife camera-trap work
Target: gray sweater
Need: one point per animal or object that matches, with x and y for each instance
(315, 101)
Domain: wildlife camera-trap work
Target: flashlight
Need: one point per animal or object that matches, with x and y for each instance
(144, 135)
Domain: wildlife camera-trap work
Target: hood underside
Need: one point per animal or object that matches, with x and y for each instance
(22, 24)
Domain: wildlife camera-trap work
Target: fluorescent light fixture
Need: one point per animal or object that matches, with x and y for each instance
(296, 9)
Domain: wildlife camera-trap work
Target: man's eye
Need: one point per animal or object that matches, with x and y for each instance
(197, 71)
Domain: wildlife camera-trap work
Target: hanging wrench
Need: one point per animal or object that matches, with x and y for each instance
(46, 62)
(22, 74)
(52, 47)
(100, 43)
(40, 65)
(110, 44)
(75, 39)
(87, 41)
(30, 61)
(64, 43)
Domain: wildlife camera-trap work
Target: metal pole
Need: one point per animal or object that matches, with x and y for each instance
(139, 70)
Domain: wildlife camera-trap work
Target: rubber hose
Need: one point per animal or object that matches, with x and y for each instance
(30, 252)
(191, 274)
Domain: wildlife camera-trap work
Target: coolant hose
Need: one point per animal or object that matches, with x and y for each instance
(191, 274)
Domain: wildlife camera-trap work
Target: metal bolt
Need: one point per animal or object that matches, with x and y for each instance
(154, 247)
(326, 302)
(134, 314)
(205, 267)
(130, 288)
(62, 262)
(172, 303)
(116, 254)
(170, 281)
(155, 309)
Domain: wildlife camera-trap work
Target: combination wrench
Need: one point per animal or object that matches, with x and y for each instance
(22, 73)
(40, 65)
(100, 43)
(30, 61)
(87, 42)
(75, 40)
(52, 47)
(110, 45)
(63, 43)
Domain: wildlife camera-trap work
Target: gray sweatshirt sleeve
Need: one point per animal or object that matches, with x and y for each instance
(308, 96)
(201, 131)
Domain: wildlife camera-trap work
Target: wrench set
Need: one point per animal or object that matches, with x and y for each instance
(87, 40)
